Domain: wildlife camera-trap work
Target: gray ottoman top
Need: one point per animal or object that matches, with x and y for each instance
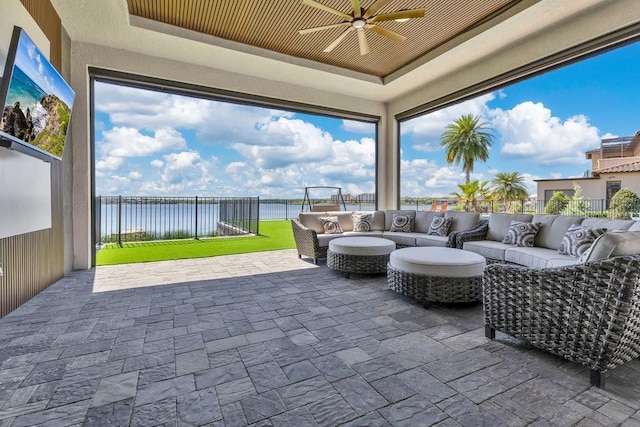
(435, 261)
(364, 246)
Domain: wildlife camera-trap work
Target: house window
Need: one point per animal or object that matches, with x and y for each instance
(612, 188)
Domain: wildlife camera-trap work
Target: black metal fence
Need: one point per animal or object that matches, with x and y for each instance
(127, 219)
(131, 218)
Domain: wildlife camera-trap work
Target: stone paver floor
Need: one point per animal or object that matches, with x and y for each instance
(268, 339)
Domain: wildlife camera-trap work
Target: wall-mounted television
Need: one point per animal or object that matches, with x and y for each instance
(36, 101)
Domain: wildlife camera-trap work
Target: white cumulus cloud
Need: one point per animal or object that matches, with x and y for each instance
(529, 131)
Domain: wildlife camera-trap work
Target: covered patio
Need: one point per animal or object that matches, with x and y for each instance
(274, 340)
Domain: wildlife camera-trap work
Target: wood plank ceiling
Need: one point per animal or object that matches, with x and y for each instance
(274, 25)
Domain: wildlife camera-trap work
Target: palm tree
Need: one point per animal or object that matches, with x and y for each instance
(509, 186)
(471, 193)
(467, 140)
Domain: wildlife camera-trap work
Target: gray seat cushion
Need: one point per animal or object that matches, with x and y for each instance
(429, 240)
(487, 248)
(401, 238)
(538, 257)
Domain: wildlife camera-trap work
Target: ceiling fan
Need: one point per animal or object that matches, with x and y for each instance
(360, 20)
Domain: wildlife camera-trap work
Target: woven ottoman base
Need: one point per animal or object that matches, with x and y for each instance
(361, 255)
(360, 264)
(435, 288)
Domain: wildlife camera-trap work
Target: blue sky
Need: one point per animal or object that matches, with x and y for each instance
(151, 143)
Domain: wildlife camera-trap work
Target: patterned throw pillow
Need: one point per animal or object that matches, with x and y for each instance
(362, 222)
(522, 233)
(331, 225)
(440, 226)
(401, 223)
(578, 239)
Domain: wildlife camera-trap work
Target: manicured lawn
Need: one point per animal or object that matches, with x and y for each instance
(274, 235)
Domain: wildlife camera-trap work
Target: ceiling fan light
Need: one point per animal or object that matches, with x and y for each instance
(359, 23)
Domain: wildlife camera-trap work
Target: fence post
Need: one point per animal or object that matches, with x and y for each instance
(258, 216)
(119, 220)
(196, 231)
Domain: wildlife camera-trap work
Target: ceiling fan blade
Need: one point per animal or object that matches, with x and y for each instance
(374, 8)
(362, 41)
(325, 27)
(357, 11)
(398, 38)
(320, 6)
(337, 41)
(401, 14)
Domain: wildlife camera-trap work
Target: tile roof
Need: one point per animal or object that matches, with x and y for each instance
(629, 167)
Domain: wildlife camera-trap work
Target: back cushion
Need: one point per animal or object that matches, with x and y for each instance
(462, 220)
(312, 220)
(614, 244)
(499, 224)
(423, 220)
(609, 224)
(388, 217)
(635, 226)
(553, 229)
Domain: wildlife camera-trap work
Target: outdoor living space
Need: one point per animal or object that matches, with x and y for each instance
(269, 339)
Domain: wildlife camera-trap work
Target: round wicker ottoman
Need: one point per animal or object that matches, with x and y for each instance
(362, 255)
(436, 274)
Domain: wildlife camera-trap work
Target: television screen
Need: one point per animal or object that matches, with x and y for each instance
(36, 101)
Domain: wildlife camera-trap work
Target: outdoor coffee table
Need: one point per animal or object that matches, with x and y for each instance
(361, 254)
(436, 274)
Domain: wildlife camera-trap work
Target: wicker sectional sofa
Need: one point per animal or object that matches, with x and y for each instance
(487, 238)
(312, 241)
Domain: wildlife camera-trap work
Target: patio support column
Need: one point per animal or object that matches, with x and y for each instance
(388, 178)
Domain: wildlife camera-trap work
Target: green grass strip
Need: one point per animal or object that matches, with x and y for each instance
(274, 235)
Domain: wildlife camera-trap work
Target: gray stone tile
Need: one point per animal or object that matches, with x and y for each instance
(413, 411)
(161, 390)
(233, 415)
(73, 392)
(235, 390)
(117, 413)
(267, 376)
(198, 407)
(359, 394)
(300, 371)
(305, 392)
(194, 361)
(262, 406)
(161, 412)
(296, 417)
(115, 388)
(60, 415)
(223, 374)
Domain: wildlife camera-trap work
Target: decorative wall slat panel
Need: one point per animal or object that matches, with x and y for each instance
(31, 262)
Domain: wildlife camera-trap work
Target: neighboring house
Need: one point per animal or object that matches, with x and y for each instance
(615, 165)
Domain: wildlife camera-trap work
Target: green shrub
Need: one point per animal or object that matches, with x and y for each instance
(557, 203)
(623, 203)
(577, 206)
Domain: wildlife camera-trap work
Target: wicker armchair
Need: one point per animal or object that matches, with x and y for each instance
(586, 313)
(307, 242)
